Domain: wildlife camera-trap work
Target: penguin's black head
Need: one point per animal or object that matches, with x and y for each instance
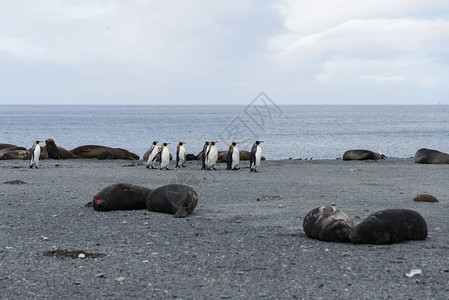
(180, 143)
(206, 143)
(234, 144)
(155, 143)
(212, 143)
(37, 142)
(165, 144)
(258, 142)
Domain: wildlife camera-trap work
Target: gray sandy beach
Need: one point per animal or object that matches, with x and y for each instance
(244, 240)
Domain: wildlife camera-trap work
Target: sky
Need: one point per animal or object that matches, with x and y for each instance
(224, 52)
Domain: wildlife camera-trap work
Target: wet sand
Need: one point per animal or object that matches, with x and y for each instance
(244, 240)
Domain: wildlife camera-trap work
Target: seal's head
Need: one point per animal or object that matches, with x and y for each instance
(100, 204)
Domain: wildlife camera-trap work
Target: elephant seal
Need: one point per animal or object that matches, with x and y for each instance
(121, 196)
(362, 155)
(106, 155)
(190, 156)
(12, 153)
(390, 226)
(94, 151)
(5, 146)
(177, 199)
(428, 156)
(66, 154)
(425, 198)
(328, 223)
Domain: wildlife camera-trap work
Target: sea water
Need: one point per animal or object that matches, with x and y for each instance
(287, 131)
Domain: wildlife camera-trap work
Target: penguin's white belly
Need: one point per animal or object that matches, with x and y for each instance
(182, 156)
(235, 158)
(151, 156)
(37, 153)
(211, 159)
(165, 158)
(258, 156)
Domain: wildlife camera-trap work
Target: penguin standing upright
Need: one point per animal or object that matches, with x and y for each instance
(165, 156)
(35, 153)
(180, 155)
(203, 158)
(256, 154)
(233, 157)
(152, 155)
(211, 156)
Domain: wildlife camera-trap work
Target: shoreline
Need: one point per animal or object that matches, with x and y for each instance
(244, 240)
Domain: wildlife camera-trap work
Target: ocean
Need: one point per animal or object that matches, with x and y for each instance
(318, 132)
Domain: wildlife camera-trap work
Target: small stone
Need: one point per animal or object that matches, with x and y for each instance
(171, 265)
(124, 222)
(100, 275)
(144, 261)
(45, 238)
(280, 206)
(82, 255)
(120, 279)
(413, 272)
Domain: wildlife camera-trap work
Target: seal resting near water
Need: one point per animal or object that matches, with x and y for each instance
(429, 156)
(328, 223)
(95, 151)
(121, 196)
(390, 226)
(362, 155)
(177, 199)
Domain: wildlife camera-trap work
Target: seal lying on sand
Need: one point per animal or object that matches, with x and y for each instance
(176, 199)
(328, 223)
(362, 155)
(121, 196)
(390, 226)
(95, 151)
(428, 156)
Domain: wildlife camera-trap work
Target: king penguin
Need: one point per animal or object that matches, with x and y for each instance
(152, 155)
(165, 156)
(256, 154)
(180, 155)
(203, 158)
(35, 153)
(233, 158)
(211, 156)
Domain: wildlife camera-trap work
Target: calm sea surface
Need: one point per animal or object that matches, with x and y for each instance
(287, 131)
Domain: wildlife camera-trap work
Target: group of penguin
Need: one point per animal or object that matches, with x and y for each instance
(209, 156)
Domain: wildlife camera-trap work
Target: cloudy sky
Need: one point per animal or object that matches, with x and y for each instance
(224, 52)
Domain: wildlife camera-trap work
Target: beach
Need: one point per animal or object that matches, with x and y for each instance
(244, 240)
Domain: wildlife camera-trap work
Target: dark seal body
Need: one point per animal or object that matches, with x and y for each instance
(177, 199)
(428, 156)
(328, 223)
(121, 196)
(52, 149)
(390, 226)
(362, 155)
(95, 151)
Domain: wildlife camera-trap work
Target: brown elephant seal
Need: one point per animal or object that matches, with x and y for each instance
(121, 196)
(66, 154)
(362, 155)
(177, 199)
(106, 155)
(429, 156)
(425, 198)
(328, 223)
(12, 153)
(94, 151)
(5, 146)
(390, 226)
(190, 156)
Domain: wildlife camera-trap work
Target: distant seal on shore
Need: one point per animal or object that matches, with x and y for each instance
(94, 151)
(429, 156)
(390, 226)
(52, 149)
(121, 196)
(5, 146)
(362, 155)
(177, 199)
(425, 198)
(328, 223)
(12, 153)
